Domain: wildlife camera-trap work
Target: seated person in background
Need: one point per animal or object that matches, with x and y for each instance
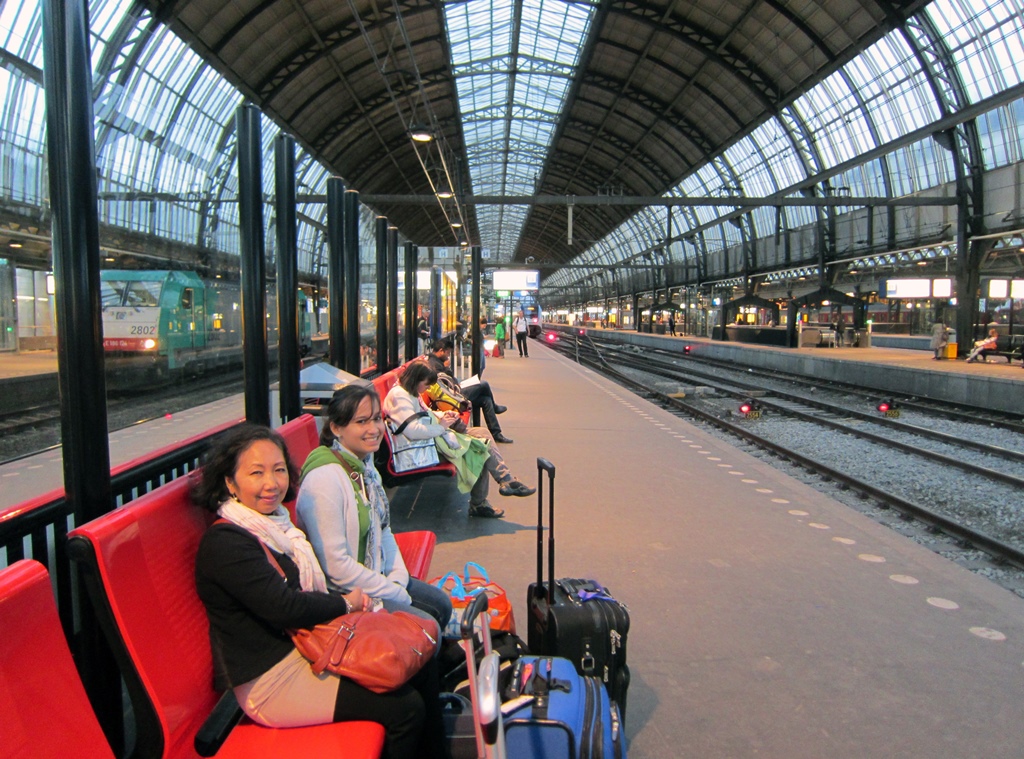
(245, 477)
(346, 513)
(473, 462)
(985, 344)
(480, 394)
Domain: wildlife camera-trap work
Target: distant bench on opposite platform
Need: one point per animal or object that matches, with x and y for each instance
(1007, 346)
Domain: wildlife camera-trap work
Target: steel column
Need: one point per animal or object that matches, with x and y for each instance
(350, 303)
(382, 293)
(289, 362)
(336, 274)
(392, 283)
(411, 347)
(476, 269)
(76, 264)
(255, 362)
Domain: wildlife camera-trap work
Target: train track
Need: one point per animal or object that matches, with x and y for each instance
(647, 378)
(30, 431)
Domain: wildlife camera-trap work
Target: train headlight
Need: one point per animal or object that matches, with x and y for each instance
(148, 344)
(889, 408)
(750, 409)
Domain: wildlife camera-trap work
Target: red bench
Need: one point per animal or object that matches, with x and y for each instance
(44, 712)
(138, 566)
(417, 546)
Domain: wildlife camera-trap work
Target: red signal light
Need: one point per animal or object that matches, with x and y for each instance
(883, 407)
(551, 337)
(686, 349)
(745, 408)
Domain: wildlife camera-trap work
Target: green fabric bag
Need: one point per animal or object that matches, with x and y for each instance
(469, 457)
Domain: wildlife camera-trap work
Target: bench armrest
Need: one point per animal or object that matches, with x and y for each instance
(215, 730)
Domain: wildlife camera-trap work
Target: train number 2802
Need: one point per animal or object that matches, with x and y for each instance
(143, 330)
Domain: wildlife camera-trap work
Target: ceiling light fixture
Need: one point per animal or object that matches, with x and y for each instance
(421, 134)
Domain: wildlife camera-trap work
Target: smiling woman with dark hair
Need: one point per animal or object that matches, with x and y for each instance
(472, 450)
(343, 508)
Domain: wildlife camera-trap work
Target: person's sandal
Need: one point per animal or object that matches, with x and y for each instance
(486, 510)
(515, 487)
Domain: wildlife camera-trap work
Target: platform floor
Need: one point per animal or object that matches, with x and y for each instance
(767, 619)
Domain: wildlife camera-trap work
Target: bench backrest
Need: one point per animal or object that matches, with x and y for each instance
(44, 712)
(139, 561)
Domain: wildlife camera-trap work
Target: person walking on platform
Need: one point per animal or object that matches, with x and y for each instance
(940, 339)
(499, 337)
(672, 323)
(521, 326)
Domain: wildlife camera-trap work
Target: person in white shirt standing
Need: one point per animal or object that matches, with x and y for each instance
(521, 326)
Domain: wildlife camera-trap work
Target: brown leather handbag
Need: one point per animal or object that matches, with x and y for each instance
(379, 650)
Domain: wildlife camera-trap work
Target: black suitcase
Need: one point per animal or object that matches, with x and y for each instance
(574, 618)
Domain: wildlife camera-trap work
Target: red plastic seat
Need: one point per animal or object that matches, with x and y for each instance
(44, 712)
(138, 565)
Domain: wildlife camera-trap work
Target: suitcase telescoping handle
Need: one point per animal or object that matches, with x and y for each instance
(543, 465)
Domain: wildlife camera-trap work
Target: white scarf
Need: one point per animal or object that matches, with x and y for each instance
(277, 531)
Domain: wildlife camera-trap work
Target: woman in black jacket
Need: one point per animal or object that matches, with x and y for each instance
(245, 478)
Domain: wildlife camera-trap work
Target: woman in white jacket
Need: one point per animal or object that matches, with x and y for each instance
(403, 403)
(345, 514)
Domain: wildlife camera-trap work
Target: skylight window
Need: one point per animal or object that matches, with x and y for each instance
(511, 85)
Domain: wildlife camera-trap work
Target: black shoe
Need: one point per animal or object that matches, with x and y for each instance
(499, 438)
(500, 409)
(486, 510)
(515, 487)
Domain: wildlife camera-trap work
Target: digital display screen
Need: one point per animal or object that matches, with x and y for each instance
(515, 279)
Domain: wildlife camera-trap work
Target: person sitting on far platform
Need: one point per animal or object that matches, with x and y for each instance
(473, 453)
(245, 478)
(985, 344)
(344, 510)
(480, 395)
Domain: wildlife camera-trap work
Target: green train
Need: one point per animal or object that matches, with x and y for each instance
(166, 324)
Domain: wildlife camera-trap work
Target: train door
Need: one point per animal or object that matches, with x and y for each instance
(8, 304)
(193, 312)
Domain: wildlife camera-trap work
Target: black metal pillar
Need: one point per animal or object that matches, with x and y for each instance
(436, 304)
(476, 364)
(336, 271)
(411, 347)
(255, 362)
(392, 283)
(350, 256)
(288, 359)
(382, 293)
(637, 317)
(76, 263)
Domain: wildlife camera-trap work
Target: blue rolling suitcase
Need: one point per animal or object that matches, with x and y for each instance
(562, 713)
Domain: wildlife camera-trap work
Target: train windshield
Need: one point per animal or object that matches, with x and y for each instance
(133, 294)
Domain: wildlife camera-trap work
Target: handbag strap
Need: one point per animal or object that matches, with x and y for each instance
(403, 425)
(270, 557)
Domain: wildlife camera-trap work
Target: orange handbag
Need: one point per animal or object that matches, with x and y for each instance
(379, 650)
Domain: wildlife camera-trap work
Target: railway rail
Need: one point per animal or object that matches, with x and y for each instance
(1002, 540)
